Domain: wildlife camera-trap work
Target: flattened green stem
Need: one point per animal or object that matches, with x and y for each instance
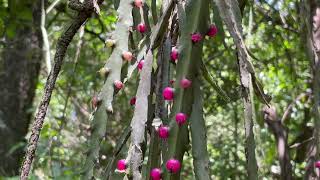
(120, 143)
(154, 11)
(230, 13)
(198, 135)
(114, 64)
(192, 18)
(154, 158)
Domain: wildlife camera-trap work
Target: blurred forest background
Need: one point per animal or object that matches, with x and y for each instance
(276, 36)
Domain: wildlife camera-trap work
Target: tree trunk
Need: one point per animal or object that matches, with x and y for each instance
(311, 10)
(20, 65)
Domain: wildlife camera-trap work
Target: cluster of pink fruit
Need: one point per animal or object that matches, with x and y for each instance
(172, 165)
(142, 28)
(195, 38)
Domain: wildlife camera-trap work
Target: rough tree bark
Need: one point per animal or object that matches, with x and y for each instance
(19, 70)
(84, 12)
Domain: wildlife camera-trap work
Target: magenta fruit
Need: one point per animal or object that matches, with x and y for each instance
(140, 64)
(181, 118)
(185, 83)
(155, 174)
(142, 28)
(196, 37)
(133, 101)
(126, 55)
(121, 165)
(118, 84)
(212, 31)
(163, 132)
(168, 93)
(138, 3)
(174, 54)
(173, 165)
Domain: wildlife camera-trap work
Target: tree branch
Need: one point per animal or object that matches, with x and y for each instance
(281, 136)
(61, 49)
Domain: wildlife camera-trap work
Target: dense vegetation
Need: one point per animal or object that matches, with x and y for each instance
(245, 75)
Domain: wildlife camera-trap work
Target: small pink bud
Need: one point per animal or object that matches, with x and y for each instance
(212, 31)
(163, 132)
(133, 101)
(127, 56)
(171, 82)
(121, 165)
(142, 28)
(173, 165)
(185, 83)
(317, 164)
(140, 64)
(181, 118)
(174, 54)
(196, 37)
(138, 3)
(168, 93)
(155, 174)
(118, 84)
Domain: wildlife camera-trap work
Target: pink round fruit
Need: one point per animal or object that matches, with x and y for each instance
(185, 83)
(140, 64)
(127, 56)
(181, 118)
(155, 174)
(118, 84)
(173, 165)
(163, 132)
(133, 101)
(174, 54)
(121, 165)
(168, 93)
(138, 3)
(317, 164)
(196, 37)
(212, 31)
(142, 28)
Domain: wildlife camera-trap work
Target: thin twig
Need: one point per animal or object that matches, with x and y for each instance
(61, 50)
(287, 112)
(52, 6)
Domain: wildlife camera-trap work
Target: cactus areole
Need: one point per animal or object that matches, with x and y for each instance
(155, 174)
(168, 93)
(121, 165)
(110, 42)
(173, 165)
